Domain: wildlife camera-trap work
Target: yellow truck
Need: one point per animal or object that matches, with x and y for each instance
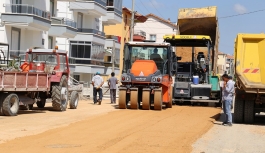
(250, 74)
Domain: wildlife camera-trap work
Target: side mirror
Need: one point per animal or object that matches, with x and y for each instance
(174, 68)
(178, 58)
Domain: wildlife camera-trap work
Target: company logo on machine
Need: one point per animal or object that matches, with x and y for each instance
(140, 79)
(141, 73)
(181, 91)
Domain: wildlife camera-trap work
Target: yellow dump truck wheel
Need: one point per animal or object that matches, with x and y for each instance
(249, 112)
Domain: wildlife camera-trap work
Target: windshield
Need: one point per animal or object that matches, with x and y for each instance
(39, 58)
(158, 54)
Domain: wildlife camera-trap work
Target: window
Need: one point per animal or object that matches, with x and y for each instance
(52, 7)
(110, 3)
(125, 20)
(77, 77)
(153, 37)
(50, 42)
(79, 21)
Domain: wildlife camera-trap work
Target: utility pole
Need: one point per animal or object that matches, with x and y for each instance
(132, 22)
(113, 55)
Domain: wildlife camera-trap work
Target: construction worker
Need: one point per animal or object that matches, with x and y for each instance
(97, 82)
(112, 82)
(228, 92)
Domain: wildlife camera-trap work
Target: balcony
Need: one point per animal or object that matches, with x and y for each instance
(114, 16)
(62, 27)
(26, 16)
(139, 35)
(95, 7)
(91, 35)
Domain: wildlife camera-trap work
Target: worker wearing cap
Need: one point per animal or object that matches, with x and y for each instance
(97, 82)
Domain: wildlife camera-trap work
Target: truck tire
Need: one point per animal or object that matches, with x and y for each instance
(60, 95)
(249, 112)
(41, 103)
(239, 111)
(11, 105)
(74, 100)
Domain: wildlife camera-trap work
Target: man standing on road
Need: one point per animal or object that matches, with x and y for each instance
(97, 82)
(228, 92)
(112, 86)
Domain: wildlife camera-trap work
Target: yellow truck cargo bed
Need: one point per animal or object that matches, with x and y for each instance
(249, 62)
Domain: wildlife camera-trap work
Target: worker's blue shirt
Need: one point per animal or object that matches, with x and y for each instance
(228, 91)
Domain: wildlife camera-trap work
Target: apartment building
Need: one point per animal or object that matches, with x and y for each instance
(76, 26)
(25, 25)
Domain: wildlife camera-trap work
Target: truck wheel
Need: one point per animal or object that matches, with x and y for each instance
(249, 112)
(41, 103)
(74, 100)
(238, 111)
(169, 104)
(60, 95)
(11, 105)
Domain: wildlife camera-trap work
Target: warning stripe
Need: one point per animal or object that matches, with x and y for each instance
(251, 71)
(255, 71)
(246, 70)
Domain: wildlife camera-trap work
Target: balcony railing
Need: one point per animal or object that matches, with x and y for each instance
(64, 21)
(112, 8)
(140, 32)
(101, 2)
(112, 37)
(94, 31)
(26, 9)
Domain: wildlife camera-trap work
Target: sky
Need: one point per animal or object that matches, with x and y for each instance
(229, 27)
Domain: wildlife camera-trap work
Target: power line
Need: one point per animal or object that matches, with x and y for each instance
(155, 7)
(241, 14)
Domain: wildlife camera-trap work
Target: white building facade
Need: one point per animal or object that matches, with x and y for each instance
(72, 25)
(156, 27)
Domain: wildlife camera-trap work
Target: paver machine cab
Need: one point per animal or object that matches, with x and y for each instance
(147, 75)
(197, 29)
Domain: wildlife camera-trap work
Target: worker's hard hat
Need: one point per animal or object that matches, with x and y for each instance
(97, 73)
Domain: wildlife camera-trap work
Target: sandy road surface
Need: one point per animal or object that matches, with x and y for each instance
(171, 130)
(40, 120)
(239, 138)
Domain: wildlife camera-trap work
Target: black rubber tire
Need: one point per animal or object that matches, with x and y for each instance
(2, 95)
(238, 111)
(249, 114)
(57, 103)
(74, 100)
(41, 103)
(11, 105)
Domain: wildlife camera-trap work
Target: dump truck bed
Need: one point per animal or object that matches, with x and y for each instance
(200, 21)
(23, 81)
(250, 65)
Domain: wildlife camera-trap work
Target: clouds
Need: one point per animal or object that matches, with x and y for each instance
(240, 9)
(154, 4)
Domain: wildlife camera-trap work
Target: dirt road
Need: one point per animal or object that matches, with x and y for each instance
(171, 130)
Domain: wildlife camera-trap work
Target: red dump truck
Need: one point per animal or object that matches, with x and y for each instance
(44, 74)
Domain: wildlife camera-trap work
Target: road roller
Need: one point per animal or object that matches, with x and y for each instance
(146, 79)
